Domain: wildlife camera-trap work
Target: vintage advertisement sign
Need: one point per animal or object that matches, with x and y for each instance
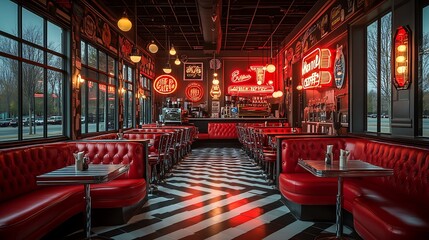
(317, 69)
(165, 84)
(339, 67)
(193, 71)
(194, 92)
(250, 89)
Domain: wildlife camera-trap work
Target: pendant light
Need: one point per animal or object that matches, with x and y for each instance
(270, 67)
(172, 50)
(124, 23)
(167, 67)
(177, 61)
(153, 48)
(135, 56)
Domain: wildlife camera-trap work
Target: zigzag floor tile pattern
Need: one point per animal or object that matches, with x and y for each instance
(215, 193)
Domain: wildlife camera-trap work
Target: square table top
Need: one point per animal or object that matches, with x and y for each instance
(96, 173)
(354, 168)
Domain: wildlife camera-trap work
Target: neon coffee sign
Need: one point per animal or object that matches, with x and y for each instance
(165, 84)
(317, 69)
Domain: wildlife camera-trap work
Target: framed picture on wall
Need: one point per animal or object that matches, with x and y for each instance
(193, 71)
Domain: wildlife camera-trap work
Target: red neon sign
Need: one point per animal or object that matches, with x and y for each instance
(237, 77)
(194, 92)
(250, 89)
(165, 84)
(317, 69)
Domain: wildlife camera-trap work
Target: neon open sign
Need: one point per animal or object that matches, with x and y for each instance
(317, 69)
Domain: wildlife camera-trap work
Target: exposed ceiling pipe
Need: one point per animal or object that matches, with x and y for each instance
(210, 14)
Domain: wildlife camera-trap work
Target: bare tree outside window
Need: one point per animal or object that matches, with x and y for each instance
(379, 76)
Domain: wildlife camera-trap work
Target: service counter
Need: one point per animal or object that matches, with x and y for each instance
(202, 123)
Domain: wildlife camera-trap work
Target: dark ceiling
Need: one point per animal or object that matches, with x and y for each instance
(245, 25)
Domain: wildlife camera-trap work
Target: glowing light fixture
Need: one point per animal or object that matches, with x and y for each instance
(135, 55)
(215, 74)
(172, 50)
(270, 67)
(167, 68)
(124, 23)
(177, 61)
(153, 48)
(401, 78)
(215, 81)
(299, 87)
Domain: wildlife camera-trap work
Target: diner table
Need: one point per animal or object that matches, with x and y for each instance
(353, 168)
(96, 173)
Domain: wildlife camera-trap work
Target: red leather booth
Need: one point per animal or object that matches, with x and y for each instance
(28, 211)
(392, 207)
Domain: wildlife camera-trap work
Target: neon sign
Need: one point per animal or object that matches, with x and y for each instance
(317, 69)
(165, 84)
(250, 89)
(194, 92)
(236, 77)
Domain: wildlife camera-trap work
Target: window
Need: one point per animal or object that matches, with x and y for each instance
(98, 93)
(32, 77)
(145, 101)
(378, 75)
(424, 75)
(128, 96)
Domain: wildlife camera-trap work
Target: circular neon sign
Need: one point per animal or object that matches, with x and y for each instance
(194, 92)
(165, 84)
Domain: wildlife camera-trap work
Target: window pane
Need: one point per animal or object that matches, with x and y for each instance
(32, 27)
(130, 109)
(55, 103)
(8, 99)
(9, 15)
(83, 117)
(55, 61)
(92, 56)
(55, 38)
(102, 78)
(101, 106)
(372, 70)
(32, 53)
(92, 106)
(83, 52)
(425, 73)
(102, 59)
(8, 45)
(385, 71)
(111, 66)
(31, 75)
(112, 111)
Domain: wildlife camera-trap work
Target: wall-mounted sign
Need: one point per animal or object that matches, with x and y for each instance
(317, 69)
(237, 77)
(193, 71)
(215, 92)
(194, 92)
(339, 67)
(250, 89)
(165, 84)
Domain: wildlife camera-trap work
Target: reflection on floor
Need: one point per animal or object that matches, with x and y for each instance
(215, 193)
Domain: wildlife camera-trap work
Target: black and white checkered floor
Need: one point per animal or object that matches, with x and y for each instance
(215, 193)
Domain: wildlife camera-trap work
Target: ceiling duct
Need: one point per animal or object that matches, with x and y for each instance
(211, 14)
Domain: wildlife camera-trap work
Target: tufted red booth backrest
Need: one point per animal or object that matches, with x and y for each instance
(222, 131)
(410, 164)
(20, 166)
(103, 136)
(278, 129)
